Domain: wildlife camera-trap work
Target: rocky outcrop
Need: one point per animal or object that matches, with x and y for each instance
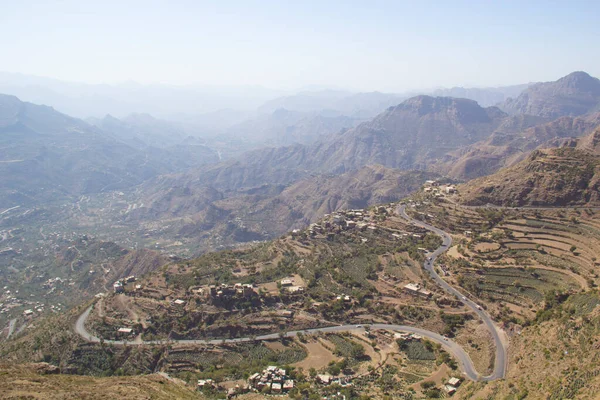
(564, 176)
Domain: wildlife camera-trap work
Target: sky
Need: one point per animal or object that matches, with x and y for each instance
(389, 46)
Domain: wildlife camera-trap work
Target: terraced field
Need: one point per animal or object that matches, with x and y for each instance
(574, 240)
(516, 256)
(242, 357)
(517, 284)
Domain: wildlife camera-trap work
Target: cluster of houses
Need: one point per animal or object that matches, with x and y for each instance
(344, 220)
(408, 336)
(125, 331)
(289, 285)
(451, 386)
(434, 187)
(415, 289)
(272, 377)
(10, 301)
(325, 379)
(119, 286)
(224, 291)
(39, 308)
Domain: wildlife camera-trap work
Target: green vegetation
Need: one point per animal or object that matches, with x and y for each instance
(344, 347)
(416, 349)
(453, 322)
(513, 284)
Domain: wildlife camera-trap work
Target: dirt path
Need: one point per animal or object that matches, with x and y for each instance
(133, 315)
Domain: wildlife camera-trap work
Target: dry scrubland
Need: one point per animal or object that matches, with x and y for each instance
(30, 382)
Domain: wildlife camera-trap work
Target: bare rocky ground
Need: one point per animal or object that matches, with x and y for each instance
(39, 381)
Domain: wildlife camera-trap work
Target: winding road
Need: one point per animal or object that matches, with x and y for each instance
(452, 347)
(495, 331)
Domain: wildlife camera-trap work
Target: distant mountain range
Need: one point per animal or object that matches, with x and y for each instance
(331, 161)
(335, 103)
(141, 130)
(486, 97)
(411, 135)
(49, 156)
(420, 133)
(284, 127)
(164, 101)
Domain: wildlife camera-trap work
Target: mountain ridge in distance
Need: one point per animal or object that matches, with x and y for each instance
(575, 94)
(50, 156)
(567, 175)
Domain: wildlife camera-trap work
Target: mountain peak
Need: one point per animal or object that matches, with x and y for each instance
(461, 110)
(581, 81)
(575, 94)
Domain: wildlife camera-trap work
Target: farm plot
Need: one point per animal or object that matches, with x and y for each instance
(417, 351)
(203, 359)
(344, 347)
(264, 355)
(486, 247)
(246, 356)
(318, 356)
(583, 303)
(517, 284)
(572, 242)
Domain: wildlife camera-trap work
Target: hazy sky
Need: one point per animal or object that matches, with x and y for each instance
(362, 45)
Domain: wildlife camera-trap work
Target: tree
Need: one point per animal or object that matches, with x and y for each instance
(427, 384)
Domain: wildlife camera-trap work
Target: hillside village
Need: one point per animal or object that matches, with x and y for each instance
(292, 293)
(290, 301)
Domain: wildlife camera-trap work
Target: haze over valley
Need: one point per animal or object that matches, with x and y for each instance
(361, 202)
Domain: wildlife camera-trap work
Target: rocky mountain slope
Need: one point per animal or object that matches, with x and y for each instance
(211, 218)
(41, 381)
(575, 94)
(506, 148)
(563, 176)
(408, 136)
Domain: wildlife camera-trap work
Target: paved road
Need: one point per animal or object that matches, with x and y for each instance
(501, 351)
(453, 348)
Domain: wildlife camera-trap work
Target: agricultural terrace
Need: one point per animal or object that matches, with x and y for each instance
(512, 259)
